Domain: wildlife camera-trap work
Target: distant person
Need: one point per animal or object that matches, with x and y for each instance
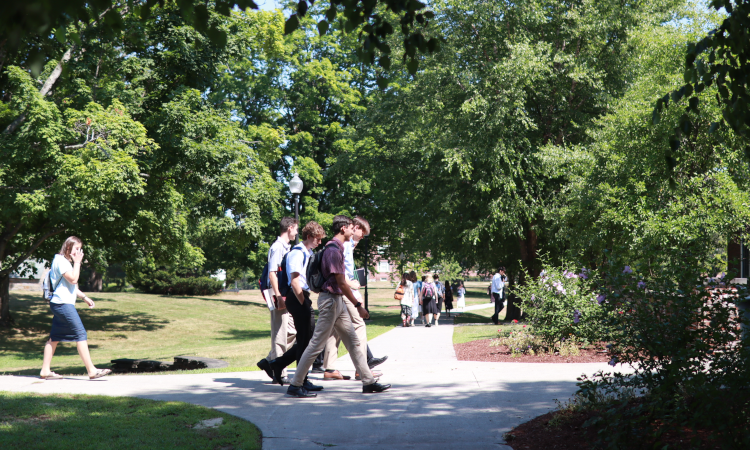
(415, 308)
(440, 297)
(419, 296)
(66, 323)
(298, 301)
(428, 299)
(497, 287)
(333, 314)
(407, 299)
(361, 229)
(461, 292)
(283, 332)
(448, 297)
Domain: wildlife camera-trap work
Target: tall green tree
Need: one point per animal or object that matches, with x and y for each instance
(453, 157)
(123, 148)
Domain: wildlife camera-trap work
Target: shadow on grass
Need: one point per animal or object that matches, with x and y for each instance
(244, 335)
(228, 301)
(34, 320)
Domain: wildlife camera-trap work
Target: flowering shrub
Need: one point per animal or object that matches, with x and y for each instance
(519, 342)
(563, 306)
(680, 333)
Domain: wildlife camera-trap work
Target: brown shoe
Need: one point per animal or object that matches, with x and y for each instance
(335, 375)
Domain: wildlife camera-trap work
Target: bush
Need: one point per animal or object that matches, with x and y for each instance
(562, 305)
(166, 283)
(680, 333)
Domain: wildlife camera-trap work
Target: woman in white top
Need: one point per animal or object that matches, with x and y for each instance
(66, 324)
(407, 300)
(461, 291)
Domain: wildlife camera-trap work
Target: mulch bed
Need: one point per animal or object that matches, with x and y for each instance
(563, 430)
(482, 351)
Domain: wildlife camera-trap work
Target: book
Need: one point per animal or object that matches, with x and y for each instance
(268, 297)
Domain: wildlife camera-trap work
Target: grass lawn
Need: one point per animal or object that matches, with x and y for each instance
(475, 333)
(61, 422)
(231, 327)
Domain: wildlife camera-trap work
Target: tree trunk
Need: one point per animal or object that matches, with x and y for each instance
(5, 318)
(528, 249)
(95, 281)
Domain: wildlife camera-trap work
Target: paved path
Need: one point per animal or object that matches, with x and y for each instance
(437, 402)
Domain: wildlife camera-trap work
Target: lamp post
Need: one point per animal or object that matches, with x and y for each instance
(367, 257)
(295, 186)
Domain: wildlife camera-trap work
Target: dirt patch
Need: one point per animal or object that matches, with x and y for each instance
(481, 350)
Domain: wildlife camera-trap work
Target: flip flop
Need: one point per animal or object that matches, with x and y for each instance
(100, 373)
(51, 376)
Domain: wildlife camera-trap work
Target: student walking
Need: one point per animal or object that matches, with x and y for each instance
(440, 297)
(283, 333)
(448, 297)
(361, 228)
(298, 301)
(461, 292)
(415, 308)
(66, 323)
(497, 292)
(428, 299)
(406, 291)
(333, 314)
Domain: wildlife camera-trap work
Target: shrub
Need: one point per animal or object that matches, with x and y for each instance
(680, 333)
(519, 342)
(167, 283)
(562, 306)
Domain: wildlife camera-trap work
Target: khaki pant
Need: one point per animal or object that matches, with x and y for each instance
(283, 334)
(333, 315)
(332, 345)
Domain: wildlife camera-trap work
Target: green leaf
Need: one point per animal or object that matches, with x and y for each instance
(331, 13)
(412, 65)
(60, 34)
(382, 82)
(385, 62)
(322, 27)
(302, 8)
(714, 126)
(292, 23)
(218, 37)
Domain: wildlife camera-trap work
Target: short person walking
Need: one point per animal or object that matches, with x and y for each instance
(428, 299)
(407, 299)
(461, 291)
(66, 324)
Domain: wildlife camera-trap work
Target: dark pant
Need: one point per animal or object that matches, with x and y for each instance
(498, 306)
(304, 322)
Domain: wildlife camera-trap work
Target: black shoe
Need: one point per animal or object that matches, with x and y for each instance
(428, 325)
(276, 370)
(376, 361)
(495, 321)
(264, 365)
(373, 388)
(317, 370)
(311, 387)
(299, 392)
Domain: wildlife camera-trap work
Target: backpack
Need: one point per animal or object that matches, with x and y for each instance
(285, 287)
(399, 295)
(46, 292)
(263, 282)
(428, 291)
(314, 274)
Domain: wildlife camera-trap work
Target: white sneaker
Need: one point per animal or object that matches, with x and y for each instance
(436, 324)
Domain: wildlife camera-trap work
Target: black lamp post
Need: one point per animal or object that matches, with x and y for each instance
(367, 257)
(295, 186)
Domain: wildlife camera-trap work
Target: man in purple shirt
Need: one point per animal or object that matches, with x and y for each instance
(333, 314)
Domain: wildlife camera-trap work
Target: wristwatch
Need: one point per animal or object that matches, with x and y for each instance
(358, 304)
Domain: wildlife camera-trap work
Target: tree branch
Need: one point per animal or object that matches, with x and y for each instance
(25, 256)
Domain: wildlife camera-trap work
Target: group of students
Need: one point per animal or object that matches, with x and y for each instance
(295, 334)
(426, 298)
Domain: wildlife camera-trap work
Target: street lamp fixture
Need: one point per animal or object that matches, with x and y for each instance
(295, 186)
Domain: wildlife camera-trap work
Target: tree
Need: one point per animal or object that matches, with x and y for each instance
(125, 150)
(454, 158)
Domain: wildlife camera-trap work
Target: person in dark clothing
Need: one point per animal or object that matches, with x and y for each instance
(448, 297)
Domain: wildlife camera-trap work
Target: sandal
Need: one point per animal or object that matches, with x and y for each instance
(100, 373)
(51, 376)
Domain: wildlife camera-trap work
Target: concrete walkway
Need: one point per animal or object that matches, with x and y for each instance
(437, 402)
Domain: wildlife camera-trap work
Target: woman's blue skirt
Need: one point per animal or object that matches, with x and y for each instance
(66, 324)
